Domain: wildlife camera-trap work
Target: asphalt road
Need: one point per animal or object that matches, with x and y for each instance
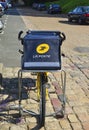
(9, 44)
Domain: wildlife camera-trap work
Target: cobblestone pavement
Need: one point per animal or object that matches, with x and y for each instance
(77, 97)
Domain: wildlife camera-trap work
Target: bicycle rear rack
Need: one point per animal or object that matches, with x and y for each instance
(59, 112)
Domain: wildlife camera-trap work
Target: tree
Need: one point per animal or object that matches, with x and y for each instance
(29, 2)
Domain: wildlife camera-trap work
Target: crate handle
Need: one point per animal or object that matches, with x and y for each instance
(63, 37)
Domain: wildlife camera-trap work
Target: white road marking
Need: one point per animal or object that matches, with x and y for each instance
(2, 32)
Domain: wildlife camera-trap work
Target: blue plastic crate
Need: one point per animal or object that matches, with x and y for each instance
(42, 50)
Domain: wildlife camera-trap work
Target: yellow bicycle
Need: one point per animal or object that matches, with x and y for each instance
(42, 93)
(41, 54)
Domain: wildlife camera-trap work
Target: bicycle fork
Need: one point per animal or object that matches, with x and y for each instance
(38, 83)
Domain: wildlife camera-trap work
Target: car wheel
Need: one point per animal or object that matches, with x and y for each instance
(80, 21)
(50, 12)
(69, 19)
(47, 11)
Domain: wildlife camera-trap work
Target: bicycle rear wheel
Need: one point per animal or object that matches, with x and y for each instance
(42, 99)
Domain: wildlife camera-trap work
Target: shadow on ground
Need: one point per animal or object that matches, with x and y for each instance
(9, 94)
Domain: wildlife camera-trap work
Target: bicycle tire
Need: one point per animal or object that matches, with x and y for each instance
(42, 100)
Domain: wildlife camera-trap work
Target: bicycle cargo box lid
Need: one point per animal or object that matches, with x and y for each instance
(42, 35)
(42, 50)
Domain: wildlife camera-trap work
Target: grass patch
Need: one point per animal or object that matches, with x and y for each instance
(68, 5)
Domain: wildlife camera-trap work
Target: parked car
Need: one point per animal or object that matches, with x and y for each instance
(9, 5)
(54, 8)
(41, 7)
(1, 10)
(1, 26)
(79, 14)
(4, 4)
(34, 5)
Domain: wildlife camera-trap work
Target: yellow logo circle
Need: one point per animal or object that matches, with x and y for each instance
(42, 48)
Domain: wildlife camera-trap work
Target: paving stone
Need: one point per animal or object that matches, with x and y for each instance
(53, 95)
(51, 89)
(86, 91)
(4, 126)
(42, 128)
(78, 91)
(80, 109)
(33, 126)
(50, 119)
(65, 124)
(32, 101)
(86, 72)
(72, 97)
(67, 129)
(55, 84)
(57, 76)
(77, 126)
(86, 125)
(31, 120)
(57, 106)
(16, 127)
(58, 90)
(68, 110)
(70, 84)
(72, 118)
(69, 92)
(83, 117)
(32, 107)
(56, 103)
(84, 100)
(49, 110)
(5, 96)
(24, 103)
(54, 125)
(15, 71)
(8, 72)
(74, 103)
(51, 77)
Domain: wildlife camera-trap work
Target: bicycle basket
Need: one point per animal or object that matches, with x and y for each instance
(42, 50)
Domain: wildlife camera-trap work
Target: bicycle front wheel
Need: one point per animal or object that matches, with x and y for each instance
(42, 99)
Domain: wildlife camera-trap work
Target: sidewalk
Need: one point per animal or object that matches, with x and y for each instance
(77, 96)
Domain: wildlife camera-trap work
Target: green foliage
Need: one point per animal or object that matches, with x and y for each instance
(68, 5)
(28, 2)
